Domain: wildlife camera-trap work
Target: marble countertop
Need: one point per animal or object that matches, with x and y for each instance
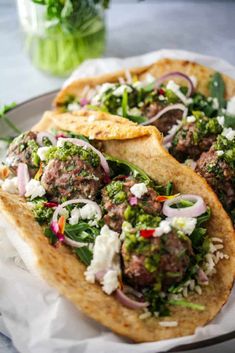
(206, 27)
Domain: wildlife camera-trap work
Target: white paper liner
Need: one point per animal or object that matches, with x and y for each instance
(39, 320)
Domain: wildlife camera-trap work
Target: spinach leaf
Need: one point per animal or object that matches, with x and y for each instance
(52, 238)
(84, 254)
(186, 304)
(119, 167)
(81, 232)
(217, 89)
(136, 118)
(72, 14)
(3, 111)
(229, 121)
(204, 217)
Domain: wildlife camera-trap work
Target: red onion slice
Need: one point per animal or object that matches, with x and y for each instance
(71, 202)
(22, 177)
(56, 230)
(84, 101)
(133, 201)
(128, 302)
(44, 134)
(178, 106)
(78, 142)
(196, 210)
(100, 275)
(163, 78)
(128, 289)
(73, 243)
(202, 277)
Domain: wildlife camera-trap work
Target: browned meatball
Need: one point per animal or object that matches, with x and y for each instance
(115, 210)
(219, 175)
(185, 146)
(73, 178)
(171, 264)
(23, 149)
(167, 120)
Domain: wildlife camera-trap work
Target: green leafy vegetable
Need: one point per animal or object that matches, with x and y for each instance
(81, 232)
(84, 254)
(229, 121)
(69, 149)
(125, 103)
(52, 238)
(186, 304)
(72, 32)
(119, 167)
(217, 89)
(41, 213)
(3, 111)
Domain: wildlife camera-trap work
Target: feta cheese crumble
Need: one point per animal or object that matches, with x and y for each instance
(110, 281)
(163, 228)
(229, 133)
(138, 190)
(185, 224)
(74, 216)
(88, 211)
(231, 106)
(120, 90)
(10, 185)
(191, 119)
(105, 257)
(101, 90)
(34, 189)
(220, 153)
(72, 107)
(41, 152)
(220, 120)
(91, 118)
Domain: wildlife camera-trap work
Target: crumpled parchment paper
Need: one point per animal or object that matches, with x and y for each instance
(38, 319)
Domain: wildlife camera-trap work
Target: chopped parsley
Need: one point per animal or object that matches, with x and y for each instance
(69, 149)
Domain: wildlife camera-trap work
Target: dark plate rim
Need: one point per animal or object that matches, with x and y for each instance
(33, 99)
(189, 346)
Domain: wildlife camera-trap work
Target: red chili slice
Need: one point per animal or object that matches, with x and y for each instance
(147, 233)
(161, 198)
(50, 204)
(161, 91)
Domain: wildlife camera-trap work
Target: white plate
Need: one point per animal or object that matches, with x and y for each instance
(24, 116)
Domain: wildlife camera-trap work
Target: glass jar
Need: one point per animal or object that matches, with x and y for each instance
(58, 46)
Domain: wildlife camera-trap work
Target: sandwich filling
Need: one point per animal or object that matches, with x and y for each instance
(142, 242)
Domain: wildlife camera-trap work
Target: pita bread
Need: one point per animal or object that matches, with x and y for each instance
(61, 269)
(159, 68)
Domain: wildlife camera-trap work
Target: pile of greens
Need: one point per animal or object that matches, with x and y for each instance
(71, 31)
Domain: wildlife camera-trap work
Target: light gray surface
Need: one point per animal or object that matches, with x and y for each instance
(207, 27)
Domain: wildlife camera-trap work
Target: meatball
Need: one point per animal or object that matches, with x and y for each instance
(185, 146)
(23, 149)
(167, 120)
(73, 178)
(219, 175)
(171, 264)
(115, 208)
